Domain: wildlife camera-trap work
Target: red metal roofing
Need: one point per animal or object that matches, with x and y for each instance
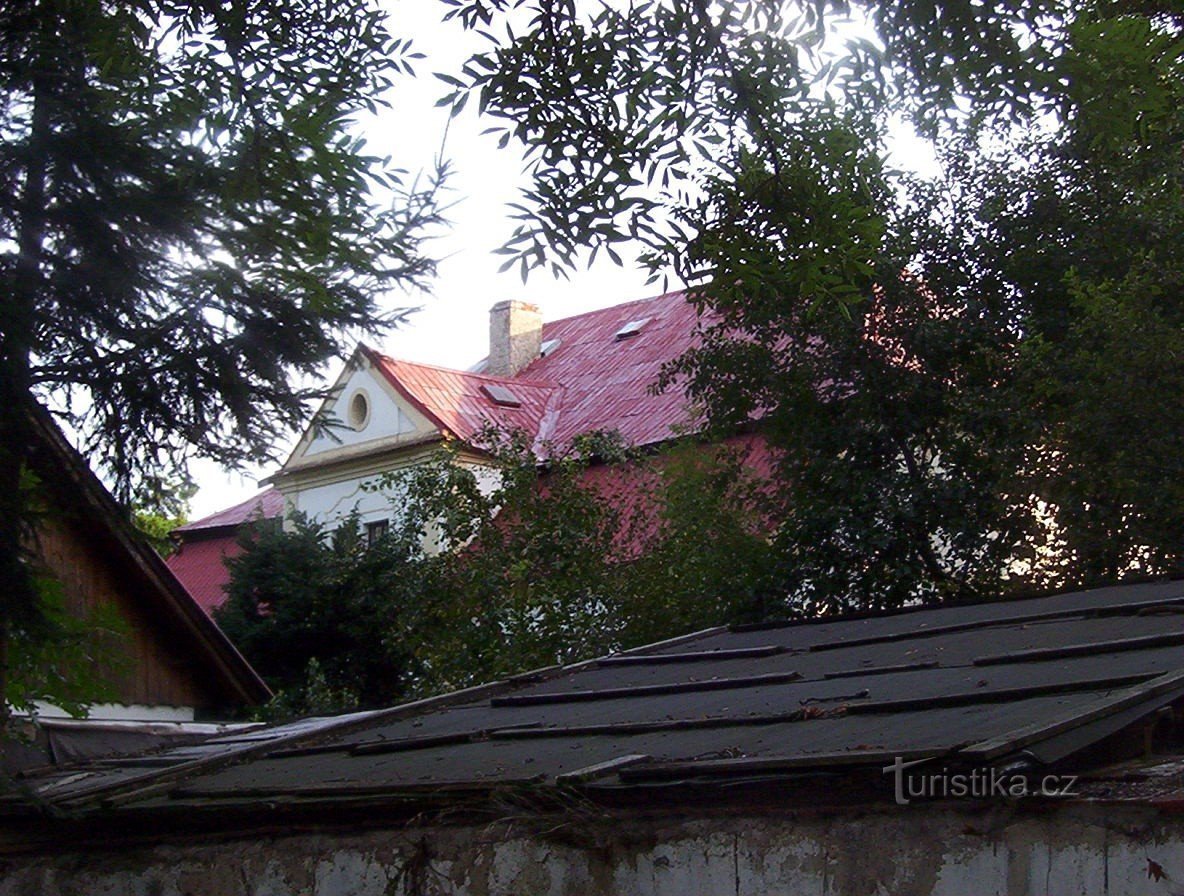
(265, 505)
(199, 565)
(607, 381)
(590, 381)
(204, 544)
(455, 400)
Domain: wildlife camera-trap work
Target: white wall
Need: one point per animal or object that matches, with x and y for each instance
(330, 502)
(387, 419)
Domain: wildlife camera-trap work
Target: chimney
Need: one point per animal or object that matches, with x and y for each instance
(515, 337)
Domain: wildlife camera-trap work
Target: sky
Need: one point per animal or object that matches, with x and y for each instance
(452, 326)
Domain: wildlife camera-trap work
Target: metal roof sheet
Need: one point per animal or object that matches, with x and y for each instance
(589, 379)
(265, 505)
(200, 566)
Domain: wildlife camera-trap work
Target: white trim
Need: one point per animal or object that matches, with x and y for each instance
(109, 712)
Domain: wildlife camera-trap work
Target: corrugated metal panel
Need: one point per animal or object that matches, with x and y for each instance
(458, 402)
(265, 505)
(589, 381)
(200, 565)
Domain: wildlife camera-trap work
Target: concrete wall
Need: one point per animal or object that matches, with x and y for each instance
(921, 851)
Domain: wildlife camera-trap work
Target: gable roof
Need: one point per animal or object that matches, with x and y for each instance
(458, 401)
(590, 380)
(191, 633)
(1036, 681)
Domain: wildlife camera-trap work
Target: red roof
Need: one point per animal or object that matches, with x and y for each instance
(458, 402)
(590, 380)
(199, 564)
(265, 505)
(204, 545)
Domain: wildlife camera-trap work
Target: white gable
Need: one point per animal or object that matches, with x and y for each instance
(363, 409)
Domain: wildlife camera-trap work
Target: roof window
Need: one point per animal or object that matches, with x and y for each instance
(501, 396)
(631, 329)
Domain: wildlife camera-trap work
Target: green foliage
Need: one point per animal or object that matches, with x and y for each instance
(68, 661)
(157, 512)
(971, 375)
(494, 570)
(187, 230)
(205, 229)
(527, 580)
(700, 549)
(308, 594)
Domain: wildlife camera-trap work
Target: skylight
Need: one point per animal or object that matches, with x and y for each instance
(501, 396)
(631, 329)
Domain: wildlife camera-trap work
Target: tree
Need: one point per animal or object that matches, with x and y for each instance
(946, 362)
(185, 229)
(558, 562)
(157, 514)
(319, 614)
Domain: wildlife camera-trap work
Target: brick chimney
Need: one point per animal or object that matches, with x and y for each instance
(515, 337)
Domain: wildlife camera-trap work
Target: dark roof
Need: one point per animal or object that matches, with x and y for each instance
(193, 637)
(1037, 681)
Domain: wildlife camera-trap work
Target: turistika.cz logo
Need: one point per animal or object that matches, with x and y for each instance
(911, 783)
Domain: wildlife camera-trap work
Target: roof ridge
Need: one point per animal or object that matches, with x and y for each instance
(194, 525)
(508, 380)
(514, 379)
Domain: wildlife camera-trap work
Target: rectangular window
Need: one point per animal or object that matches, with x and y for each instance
(377, 530)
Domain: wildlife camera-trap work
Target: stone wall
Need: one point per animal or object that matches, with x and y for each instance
(918, 851)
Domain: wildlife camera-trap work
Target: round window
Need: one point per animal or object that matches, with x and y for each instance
(359, 410)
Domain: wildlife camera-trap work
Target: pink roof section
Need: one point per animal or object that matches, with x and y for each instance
(590, 381)
(606, 382)
(199, 564)
(455, 401)
(265, 505)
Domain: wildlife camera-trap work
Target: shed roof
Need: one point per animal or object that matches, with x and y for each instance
(268, 504)
(1035, 681)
